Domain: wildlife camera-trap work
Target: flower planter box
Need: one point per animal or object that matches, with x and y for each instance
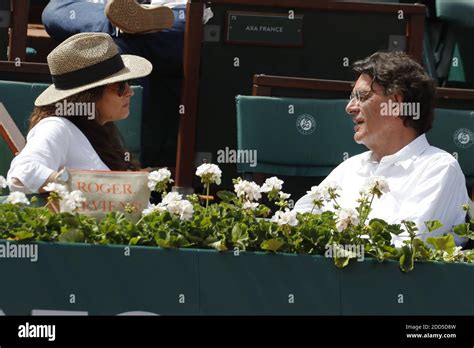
(110, 280)
(103, 280)
(432, 288)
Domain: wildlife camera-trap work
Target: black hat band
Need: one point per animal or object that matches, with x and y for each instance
(90, 74)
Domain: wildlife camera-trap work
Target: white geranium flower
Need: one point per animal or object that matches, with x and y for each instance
(3, 182)
(287, 217)
(183, 208)
(327, 188)
(153, 208)
(315, 194)
(171, 197)
(162, 175)
(376, 183)
(209, 173)
(17, 198)
(61, 190)
(272, 184)
(72, 201)
(284, 196)
(174, 204)
(346, 218)
(186, 210)
(174, 207)
(250, 205)
(249, 190)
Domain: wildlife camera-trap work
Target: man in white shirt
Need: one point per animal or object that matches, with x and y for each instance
(392, 107)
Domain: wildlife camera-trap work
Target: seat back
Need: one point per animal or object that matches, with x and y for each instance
(457, 12)
(453, 131)
(18, 98)
(294, 136)
(460, 20)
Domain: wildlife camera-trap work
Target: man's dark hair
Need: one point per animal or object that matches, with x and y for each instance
(397, 73)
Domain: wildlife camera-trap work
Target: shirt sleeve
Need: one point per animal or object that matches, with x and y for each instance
(439, 195)
(45, 152)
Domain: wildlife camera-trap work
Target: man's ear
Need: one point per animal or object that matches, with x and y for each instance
(396, 104)
(398, 97)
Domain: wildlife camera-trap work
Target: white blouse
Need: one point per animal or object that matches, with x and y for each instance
(53, 143)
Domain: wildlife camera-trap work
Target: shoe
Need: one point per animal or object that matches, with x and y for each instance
(133, 18)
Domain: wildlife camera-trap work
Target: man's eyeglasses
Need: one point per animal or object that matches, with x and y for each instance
(361, 96)
(122, 86)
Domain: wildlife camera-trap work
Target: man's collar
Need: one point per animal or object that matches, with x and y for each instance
(405, 156)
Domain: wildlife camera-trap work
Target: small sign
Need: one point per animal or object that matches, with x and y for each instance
(272, 29)
(108, 191)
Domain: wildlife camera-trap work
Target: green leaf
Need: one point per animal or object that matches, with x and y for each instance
(236, 232)
(206, 223)
(134, 240)
(272, 244)
(341, 262)
(226, 196)
(377, 224)
(23, 235)
(411, 227)
(421, 249)
(433, 225)
(462, 229)
(470, 257)
(162, 242)
(240, 235)
(407, 260)
(444, 243)
(72, 235)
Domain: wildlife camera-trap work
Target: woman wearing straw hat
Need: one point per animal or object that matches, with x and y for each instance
(88, 74)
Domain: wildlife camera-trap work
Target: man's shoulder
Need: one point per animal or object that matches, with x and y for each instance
(437, 155)
(354, 163)
(439, 161)
(356, 158)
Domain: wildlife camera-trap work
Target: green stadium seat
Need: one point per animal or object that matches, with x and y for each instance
(456, 11)
(18, 98)
(459, 17)
(294, 136)
(453, 131)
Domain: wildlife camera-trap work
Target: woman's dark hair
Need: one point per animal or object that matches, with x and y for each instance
(105, 139)
(397, 73)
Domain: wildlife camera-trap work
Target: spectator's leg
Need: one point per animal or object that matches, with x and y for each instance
(64, 18)
(163, 96)
(165, 48)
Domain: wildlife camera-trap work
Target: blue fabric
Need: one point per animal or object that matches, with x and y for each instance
(64, 18)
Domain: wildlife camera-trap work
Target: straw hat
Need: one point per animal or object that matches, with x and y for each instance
(88, 60)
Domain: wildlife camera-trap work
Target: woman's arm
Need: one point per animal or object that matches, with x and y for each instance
(44, 154)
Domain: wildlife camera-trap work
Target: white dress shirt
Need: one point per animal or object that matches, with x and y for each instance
(53, 143)
(426, 183)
